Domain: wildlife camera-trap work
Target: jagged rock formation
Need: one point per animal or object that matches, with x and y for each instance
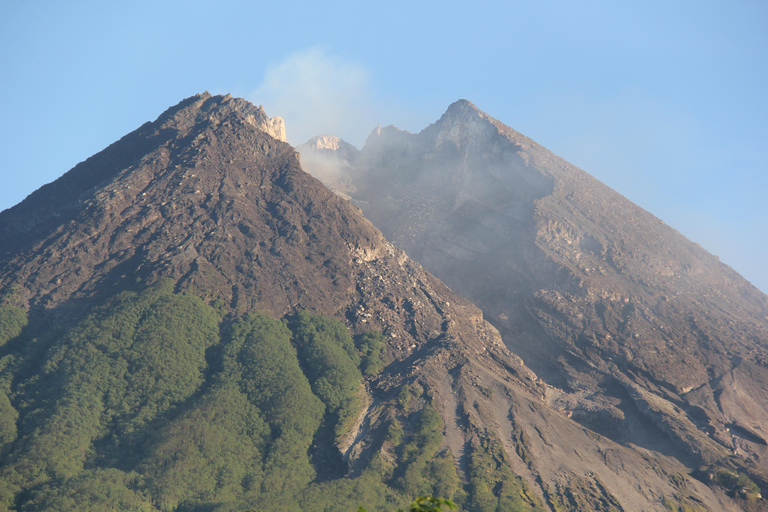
(206, 197)
(645, 337)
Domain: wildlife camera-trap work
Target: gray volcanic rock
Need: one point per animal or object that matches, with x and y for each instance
(649, 339)
(332, 161)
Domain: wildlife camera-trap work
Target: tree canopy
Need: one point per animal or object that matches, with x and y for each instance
(152, 402)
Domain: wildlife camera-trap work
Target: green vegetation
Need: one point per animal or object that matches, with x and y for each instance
(108, 378)
(441, 471)
(487, 392)
(12, 321)
(98, 490)
(418, 451)
(736, 484)
(679, 503)
(493, 485)
(371, 348)
(395, 432)
(421, 467)
(426, 504)
(8, 419)
(149, 403)
(407, 393)
(332, 365)
(211, 453)
(152, 402)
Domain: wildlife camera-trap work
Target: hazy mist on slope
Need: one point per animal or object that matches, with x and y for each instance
(623, 142)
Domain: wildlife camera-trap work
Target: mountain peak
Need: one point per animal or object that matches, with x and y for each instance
(385, 135)
(205, 107)
(462, 106)
(329, 143)
(191, 116)
(461, 124)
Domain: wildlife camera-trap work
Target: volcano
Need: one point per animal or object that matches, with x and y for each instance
(189, 322)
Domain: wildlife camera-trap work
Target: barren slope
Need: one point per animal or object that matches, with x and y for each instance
(649, 339)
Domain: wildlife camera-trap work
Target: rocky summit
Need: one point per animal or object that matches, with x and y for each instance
(190, 322)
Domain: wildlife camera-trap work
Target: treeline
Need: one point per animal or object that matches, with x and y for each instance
(152, 403)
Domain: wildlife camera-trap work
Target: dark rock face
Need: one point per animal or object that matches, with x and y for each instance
(636, 328)
(206, 196)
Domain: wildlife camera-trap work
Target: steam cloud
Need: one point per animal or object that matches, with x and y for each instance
(317, 93)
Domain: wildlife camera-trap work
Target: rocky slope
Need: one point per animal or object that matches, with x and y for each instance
(207, 198)
(644, 337)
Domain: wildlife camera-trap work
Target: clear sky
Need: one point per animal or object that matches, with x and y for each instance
(666, 102)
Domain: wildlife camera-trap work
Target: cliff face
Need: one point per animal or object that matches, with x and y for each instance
(623, 316)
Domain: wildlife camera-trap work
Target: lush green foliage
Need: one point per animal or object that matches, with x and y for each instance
(151, 402)
(395, 432)
(8, 418)
(493, 485)
(426, 504)
(124, 365)
(371, 348)
(421, 468)
(419, 450)
(12, 321)
(99, 490)
(331, 362)
(211, 453)
(143, 405)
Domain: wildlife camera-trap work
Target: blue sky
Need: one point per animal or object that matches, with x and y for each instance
(663, 101)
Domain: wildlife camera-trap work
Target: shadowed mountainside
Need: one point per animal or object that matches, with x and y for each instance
(647, 338)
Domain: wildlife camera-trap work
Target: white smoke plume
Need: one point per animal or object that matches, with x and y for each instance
(318, 93)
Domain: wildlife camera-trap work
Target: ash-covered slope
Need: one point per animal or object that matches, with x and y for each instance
(620, 312)
(116, 396)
